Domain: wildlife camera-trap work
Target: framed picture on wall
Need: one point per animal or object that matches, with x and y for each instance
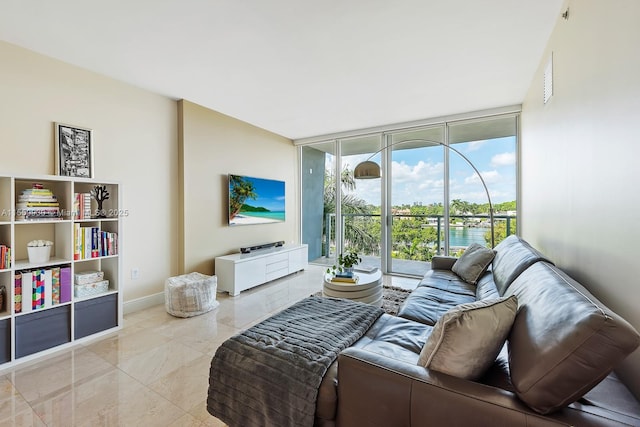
(74, 151)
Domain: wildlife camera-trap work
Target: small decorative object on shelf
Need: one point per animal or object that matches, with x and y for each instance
(345, 264)
(100, 194)
(39, 251)
(90, 289)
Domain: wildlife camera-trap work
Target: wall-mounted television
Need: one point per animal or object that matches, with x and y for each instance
(255, 200)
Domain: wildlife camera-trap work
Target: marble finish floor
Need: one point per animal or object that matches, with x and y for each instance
(153, 372)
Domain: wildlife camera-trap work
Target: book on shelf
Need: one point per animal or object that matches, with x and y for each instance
(17, 293)
(27, 291)
(92, 242)
(65, 284)
(82, 205)
(86, 205)
(55, 286)
(37, 203)
(5, 257)
(41, 288)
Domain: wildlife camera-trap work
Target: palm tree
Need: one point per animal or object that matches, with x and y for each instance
(356, 230)
(457, 206)
(240, 189)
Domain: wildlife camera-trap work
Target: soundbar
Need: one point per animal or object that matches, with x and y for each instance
(247, 249)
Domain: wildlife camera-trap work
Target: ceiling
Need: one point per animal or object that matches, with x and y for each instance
(301, 68)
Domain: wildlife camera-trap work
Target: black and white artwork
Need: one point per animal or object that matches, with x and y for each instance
(74, 151)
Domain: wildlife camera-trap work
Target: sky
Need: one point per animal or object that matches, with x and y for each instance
(418, 174)
(270, 194)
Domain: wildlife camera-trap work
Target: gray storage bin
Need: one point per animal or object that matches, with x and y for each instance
(95, 315)
(41, 330)
(5, 340)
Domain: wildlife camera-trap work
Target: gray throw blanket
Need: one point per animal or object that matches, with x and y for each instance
(269, 374)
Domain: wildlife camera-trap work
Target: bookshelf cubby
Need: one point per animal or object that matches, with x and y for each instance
(57, 318)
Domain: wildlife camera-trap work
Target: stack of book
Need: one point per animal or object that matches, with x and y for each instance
(346, 277)
(37, 203)
(41, 288)
(5, 257)
(82, 205)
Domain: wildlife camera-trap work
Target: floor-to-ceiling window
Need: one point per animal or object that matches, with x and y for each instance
(361, 200)
(428, 201)
(490, 144)
(416, 193)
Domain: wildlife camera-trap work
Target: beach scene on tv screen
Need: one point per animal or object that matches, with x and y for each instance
(255, 200)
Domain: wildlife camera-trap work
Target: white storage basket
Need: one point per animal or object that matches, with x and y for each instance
(190, 294)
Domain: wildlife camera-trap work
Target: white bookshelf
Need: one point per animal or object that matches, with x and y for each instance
(25, 335)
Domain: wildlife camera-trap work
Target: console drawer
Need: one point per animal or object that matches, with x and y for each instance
(275, 266)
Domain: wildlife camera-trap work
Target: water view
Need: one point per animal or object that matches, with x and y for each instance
(464, 236)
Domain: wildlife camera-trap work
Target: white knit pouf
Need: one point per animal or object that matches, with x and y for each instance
(190, 294)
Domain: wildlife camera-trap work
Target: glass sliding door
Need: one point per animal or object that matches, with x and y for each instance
(490, 144)
(361, 201)
(416, 193)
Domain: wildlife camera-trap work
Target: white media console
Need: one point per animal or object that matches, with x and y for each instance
(238, 272)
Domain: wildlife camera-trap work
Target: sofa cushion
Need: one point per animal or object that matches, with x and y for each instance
(447, 281)
(563, 341)
(466, 340)
(486, 288)
(389, 336)
(473, 262)
(427, 304)
(513, 256)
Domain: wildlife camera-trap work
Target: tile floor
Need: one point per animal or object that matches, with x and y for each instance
(153, 372)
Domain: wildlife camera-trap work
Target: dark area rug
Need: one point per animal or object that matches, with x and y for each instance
(392, 298)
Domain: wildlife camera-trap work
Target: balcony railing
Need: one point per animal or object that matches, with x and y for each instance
(436, 222)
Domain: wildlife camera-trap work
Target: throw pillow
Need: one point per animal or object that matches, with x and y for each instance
(466, 340)
(473, 262)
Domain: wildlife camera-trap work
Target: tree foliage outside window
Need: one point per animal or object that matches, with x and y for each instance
(414, 228)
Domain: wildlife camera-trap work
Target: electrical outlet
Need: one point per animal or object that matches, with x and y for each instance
(135, 273)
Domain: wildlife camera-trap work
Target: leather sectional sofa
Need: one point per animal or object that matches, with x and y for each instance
(555, 368)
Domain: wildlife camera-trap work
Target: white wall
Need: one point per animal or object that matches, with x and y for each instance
(212, 146)
(580, 157)
(135, 143)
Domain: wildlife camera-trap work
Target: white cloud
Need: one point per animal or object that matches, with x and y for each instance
(424, 183)
(422, 171)
(475, 145)
(503, 159)
(421, 182)
(488, 176)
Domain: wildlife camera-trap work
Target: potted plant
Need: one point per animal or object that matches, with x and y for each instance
(346, 261)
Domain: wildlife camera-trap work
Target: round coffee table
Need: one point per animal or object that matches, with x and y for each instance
(367, 290)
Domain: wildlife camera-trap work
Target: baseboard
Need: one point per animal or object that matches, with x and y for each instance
(142, 303)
